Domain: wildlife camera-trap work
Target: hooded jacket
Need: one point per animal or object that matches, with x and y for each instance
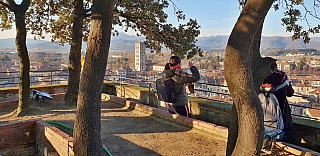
(180, 78)
(276, 79)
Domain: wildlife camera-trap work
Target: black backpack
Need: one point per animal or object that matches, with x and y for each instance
(165, 89)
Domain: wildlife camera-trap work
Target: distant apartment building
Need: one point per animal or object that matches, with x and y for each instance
(122, 73)
(302, 88)
(149, 66)
(284, 66)
(158, 67)
(140, 56)
(315, 82)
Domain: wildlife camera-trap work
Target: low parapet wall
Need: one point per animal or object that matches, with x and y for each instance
(4, 104)
(34, 137)
(219, 131)
(52, 141)
(306, 133)
(17, 138)
(9, 94)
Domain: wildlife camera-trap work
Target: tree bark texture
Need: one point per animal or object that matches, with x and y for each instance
(257, 61)
(241, 59)
(257, 80)
(232, 131)
(75, 55)
(21, 34)
(87, 125)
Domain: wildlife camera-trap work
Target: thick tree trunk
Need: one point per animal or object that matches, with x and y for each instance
(75, 55)
(257, 80)
(87, 125)
(241, 49)
(232, 131)
(257, 61)
(24, 83)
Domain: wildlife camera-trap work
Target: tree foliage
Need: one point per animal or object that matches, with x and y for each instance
(297, 11)
(297, 15)
(7, 17)
(37, 17)
(147, 18)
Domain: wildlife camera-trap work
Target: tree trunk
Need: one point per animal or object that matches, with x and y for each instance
(257, 60)
(24, 83)
(232, 131)
(240, 52)
(257, 80)
(87, 125)
(75, 55)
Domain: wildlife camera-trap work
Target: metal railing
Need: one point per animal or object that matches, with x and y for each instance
(219, 93)
(291, 104)
(12, 79)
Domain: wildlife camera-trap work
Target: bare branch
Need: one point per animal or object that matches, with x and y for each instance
(131, 17)
(285, 5)
(310, 13)
(315, 5)
(177, 11)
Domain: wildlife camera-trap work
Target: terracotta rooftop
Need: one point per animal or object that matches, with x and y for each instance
(314, 112)
(303, 85)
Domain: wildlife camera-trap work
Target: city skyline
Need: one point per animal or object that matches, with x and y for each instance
(214, 17)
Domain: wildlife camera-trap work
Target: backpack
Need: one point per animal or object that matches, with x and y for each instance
(165, 89)
(271, 111)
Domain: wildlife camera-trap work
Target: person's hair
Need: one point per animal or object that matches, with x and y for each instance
(273, 66)
(174, 60)
(167, 66)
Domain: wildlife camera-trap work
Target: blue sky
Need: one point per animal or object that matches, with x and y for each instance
(216, 17)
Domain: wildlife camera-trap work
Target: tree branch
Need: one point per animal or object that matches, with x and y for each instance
(86, 13)
(13, 6)
(131, 17)
(25, 5)
(142, 26)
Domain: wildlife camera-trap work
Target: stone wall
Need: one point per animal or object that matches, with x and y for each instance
(132, 93)
(17, 138)
(52, 141)
(304, 135)
(9, 94)
(209, 113)
(34, 137)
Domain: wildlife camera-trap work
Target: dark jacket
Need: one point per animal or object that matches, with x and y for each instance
(276, 78)
(180, 79)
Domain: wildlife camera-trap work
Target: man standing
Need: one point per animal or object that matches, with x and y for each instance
(180, 78)
(282, 88)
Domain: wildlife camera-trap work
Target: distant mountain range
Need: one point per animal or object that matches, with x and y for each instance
(126, 42)
(275, 42)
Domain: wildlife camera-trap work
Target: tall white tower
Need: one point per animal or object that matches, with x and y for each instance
(140, 56)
